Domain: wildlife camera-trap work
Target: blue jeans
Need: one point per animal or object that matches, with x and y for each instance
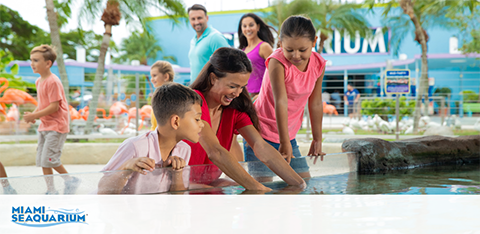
(258, 169)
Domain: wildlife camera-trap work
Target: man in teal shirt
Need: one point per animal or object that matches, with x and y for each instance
(205, 42)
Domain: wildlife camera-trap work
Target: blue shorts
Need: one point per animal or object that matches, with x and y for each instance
(258, 169)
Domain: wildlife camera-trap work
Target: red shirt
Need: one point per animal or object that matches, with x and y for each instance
(230, 121)
(51, 90)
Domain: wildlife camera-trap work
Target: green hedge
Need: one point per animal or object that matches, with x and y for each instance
(384, 107)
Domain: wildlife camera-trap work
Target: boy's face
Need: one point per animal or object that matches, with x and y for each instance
(191, 124)
(38, 63)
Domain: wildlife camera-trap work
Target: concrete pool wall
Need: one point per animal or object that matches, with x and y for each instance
(95, 153)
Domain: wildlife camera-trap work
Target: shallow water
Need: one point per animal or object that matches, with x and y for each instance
(441, 180)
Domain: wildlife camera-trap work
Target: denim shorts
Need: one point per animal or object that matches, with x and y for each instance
(258, 169)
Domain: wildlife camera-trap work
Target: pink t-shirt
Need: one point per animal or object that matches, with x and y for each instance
(299, 85)
(48, 91)
(146, 145)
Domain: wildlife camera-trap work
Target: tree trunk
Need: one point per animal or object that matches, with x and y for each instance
(55, 37)
(422, 84)
(320, 46)
(97, 85)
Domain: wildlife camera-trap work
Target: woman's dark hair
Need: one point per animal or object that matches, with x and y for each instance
(297, 26)
(264, 33)
(228, 60)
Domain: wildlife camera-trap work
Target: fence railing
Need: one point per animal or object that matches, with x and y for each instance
(462, 98)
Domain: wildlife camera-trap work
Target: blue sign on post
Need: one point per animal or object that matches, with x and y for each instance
(397, 81)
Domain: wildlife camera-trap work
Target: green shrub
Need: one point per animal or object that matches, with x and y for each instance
(470, 96)
(385, 107)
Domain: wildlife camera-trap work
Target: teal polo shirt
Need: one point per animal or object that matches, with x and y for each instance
(203, 48)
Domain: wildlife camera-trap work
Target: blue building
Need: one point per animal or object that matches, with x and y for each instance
(359, 61)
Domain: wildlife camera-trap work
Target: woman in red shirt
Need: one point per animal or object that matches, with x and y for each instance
(227, 109)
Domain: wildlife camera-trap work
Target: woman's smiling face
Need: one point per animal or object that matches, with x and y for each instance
(250, 28)
(227, 88)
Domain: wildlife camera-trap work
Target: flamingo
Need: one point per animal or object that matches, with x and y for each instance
(145, 112)
(14, 96)
(116, 109)
(85, 111)
(2, 111)
(329, 109)
(74, 114)
(13, 113)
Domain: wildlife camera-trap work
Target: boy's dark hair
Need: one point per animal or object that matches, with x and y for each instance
(228, 60)
(47, 51)
(173, 99)
(197, 7)
(264, 33)
(297, 26)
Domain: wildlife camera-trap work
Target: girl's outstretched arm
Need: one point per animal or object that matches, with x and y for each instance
(315, 108)
(276, 71)
(226, 161)
(270, 156)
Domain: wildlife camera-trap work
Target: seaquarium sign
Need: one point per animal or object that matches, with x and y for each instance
(340, 42)
(41, 217)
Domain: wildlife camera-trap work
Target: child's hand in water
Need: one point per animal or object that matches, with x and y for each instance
(175, 162)
(141, 165)
(316, 150)
(286, 151)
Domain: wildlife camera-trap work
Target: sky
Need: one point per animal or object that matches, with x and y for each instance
(36, 14)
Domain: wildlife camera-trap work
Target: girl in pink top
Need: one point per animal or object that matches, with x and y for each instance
(252, 33)
(293, 76)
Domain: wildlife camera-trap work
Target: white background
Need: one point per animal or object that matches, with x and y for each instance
(291, 214)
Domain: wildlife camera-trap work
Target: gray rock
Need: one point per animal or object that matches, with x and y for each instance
(378, 155)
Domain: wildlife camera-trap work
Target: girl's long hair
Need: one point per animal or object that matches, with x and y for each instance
(264, 33)
(228, 60)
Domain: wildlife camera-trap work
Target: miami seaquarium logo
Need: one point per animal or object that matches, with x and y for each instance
(41, 217)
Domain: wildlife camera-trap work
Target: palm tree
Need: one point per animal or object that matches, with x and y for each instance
(52, 16)
(421, 15)
(141, 46)
(132, 11)
(281, 10)
(327, 15)
(330, 15)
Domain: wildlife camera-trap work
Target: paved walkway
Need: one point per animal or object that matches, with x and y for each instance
(15, 171)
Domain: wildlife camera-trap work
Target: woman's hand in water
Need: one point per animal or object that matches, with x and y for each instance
(261, 189)
(316, 150)
(286, 151)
